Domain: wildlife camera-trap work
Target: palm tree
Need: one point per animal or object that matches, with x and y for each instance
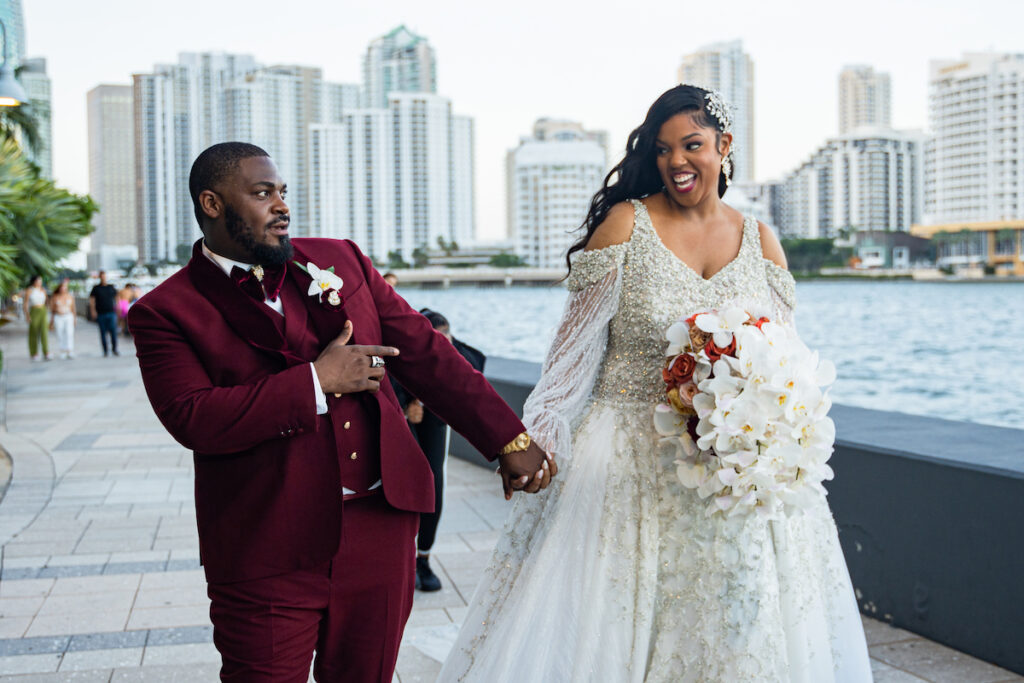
(20, 120)
(40, 223)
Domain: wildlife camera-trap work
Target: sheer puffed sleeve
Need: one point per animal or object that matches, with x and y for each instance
(573, 361)
(783, 291)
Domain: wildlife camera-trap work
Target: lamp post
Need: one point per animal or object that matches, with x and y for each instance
(11, 92)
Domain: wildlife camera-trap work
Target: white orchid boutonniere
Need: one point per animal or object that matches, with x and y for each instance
(326, 286)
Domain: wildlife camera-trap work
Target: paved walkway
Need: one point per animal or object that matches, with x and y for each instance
(100, 576)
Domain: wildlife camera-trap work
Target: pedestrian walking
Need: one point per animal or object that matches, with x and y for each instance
(102, 309)
(62, 308)
(36, 313)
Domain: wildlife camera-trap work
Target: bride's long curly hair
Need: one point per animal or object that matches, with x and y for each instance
(636, 176)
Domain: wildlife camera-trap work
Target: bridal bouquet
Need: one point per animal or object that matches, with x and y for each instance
(746, 413)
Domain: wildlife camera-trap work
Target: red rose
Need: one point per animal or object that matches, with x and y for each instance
(680, 370)
(714, 352)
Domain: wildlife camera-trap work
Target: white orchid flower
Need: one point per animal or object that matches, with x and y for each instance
(667, 422)
(722, 325)
(691, 475)
(678, 336)
(323, 281)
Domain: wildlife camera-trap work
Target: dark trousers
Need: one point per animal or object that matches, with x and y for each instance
(431, 434)
(351, 610)
(108, 327)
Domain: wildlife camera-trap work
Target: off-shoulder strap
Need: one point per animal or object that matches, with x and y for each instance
(781, 281)
(590, 266)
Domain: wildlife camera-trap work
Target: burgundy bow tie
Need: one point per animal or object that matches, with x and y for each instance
(261, 289)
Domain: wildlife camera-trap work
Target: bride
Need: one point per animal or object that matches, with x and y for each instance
(616, 572)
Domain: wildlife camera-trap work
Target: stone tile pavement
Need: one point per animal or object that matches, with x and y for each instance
(99, 572)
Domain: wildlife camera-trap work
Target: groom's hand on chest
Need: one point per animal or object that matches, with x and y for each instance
(345, 369)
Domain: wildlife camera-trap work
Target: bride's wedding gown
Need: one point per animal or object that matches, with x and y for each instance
(616, 572)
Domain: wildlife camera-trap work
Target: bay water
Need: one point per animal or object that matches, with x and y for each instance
(943, 349)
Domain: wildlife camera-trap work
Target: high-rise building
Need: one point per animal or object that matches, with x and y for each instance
(397, 173)
(974, 164)
(551, 178)
(725, 67)
(865, 180)
(394, 176)
(425, 181)
(112, 173)
(399, 61)
(37, 86)
(273, 108)
(395, 179)
(179, 110)
(351, 192)
(865, 98)
(14, 21)
(34, 80)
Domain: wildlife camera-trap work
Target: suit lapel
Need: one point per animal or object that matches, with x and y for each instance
(296, 317)
(327, 323)
(250, 319)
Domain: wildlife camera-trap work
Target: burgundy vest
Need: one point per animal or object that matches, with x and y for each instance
(356, 417)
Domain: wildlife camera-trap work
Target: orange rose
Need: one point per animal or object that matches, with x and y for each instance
(680, 370)
(714, 352)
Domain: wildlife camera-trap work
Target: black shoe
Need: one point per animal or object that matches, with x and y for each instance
(426, 579)
(116, 353)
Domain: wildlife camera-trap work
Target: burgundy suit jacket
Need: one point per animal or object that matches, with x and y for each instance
(226, 383)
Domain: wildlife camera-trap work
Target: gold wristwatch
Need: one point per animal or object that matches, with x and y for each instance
(520, 443)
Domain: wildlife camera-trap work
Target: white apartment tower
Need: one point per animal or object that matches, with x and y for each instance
(865, 99)
(395, 179)
(432, 171)
(871, 179)
(399, 61)
(179, 110)
(351, 193)
(974, 164)
(398, 172)
(273, 108)
(725, 67)
(112, 167)
(14, 21)
(551, 178)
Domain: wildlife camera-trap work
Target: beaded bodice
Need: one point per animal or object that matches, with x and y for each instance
(658, 289)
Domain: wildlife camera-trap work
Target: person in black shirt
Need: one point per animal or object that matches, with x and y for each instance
(102, 309)
(432, 435)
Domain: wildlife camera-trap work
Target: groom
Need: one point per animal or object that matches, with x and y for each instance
(266, 358)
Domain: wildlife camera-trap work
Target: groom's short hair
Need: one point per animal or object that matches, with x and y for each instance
(214, 164)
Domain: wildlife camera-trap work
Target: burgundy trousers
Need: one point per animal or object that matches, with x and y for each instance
(351, 610)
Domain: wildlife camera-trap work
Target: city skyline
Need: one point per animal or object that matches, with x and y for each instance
(566, 73)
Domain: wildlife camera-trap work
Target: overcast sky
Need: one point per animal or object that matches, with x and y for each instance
(507, 64)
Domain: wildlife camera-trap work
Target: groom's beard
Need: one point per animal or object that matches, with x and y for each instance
(263, 254)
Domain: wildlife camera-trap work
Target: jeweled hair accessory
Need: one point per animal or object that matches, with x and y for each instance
(720, 109)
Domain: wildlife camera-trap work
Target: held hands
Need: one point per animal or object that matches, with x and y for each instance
(530, 470)
(345, 369)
